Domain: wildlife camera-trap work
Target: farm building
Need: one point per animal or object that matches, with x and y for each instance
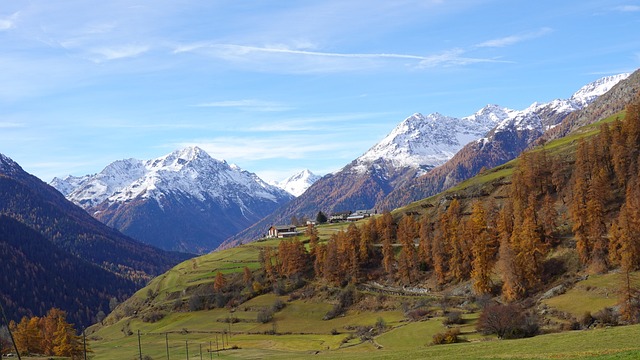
(282, 231)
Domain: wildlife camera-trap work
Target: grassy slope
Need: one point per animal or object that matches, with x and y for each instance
(301, 330)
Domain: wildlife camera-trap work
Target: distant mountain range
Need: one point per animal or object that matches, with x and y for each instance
(298, 183)
(186, 200)
(396, 171)
(54, 254)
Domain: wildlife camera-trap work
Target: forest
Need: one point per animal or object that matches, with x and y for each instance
(589, 203)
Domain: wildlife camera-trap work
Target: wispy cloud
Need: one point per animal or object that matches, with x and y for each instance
(628, 8)
(514, 39)
(452, 58)
(350, 61)
(244, 50)
(248, 104)
(8, 22)
(10, 125)
(119, 52)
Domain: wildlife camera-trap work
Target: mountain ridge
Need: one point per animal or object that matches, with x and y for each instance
(376, 176)
(185, 200)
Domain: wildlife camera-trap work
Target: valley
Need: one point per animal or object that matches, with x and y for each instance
(266, 309)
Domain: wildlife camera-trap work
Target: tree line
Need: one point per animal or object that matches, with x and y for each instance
(50, 335)
(599, 189)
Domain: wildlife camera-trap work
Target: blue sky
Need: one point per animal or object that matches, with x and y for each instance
(279, 86)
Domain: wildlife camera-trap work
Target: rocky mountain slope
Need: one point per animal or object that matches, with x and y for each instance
(185, 200)
(385, 176)
(515, 134)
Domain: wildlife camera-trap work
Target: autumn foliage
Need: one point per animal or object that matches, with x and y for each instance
(502, 247)
(50, 335)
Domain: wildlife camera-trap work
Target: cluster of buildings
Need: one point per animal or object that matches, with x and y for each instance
(283, 231)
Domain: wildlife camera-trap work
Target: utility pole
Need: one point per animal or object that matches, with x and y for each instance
(186, 344)
(13, 341)
(84, 343)
(166, 340)
(139, 345)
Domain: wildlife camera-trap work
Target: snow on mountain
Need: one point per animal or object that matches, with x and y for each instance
(7, 165)
(588, 93)
(68, 183)
(428, 141)
(185, 200)
(190, 171)
(424, 142)
(297, 184)
(542, 116)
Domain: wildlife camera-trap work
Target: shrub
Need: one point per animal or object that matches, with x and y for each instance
(417, 314)
(507, 321)
(586, 320)
(453, 317)
(607, 316)
(196, 303)
(152, 316)
(277, 305)
(265, 315)
(448, 337)
(346, 298)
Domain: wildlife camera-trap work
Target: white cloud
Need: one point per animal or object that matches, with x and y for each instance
(628, 8)
(119, 52)
(8, 22)
(248, 104)
(514, 39)
(10, 125)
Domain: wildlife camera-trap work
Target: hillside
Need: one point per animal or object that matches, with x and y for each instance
(92, 262)
(39, 206)
(35, 273)
(424, 155)
(377, 294)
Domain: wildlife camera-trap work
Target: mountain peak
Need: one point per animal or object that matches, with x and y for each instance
(178, 158)
(7, 165)
(298, 183)
(422, 142)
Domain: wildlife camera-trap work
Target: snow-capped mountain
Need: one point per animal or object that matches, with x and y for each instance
(399, 168)
(427, 141)
(298, 183)
(185, 200)
(506, 141)
(590, 92)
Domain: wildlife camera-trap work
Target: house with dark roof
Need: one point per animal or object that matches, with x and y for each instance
(282, 231)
